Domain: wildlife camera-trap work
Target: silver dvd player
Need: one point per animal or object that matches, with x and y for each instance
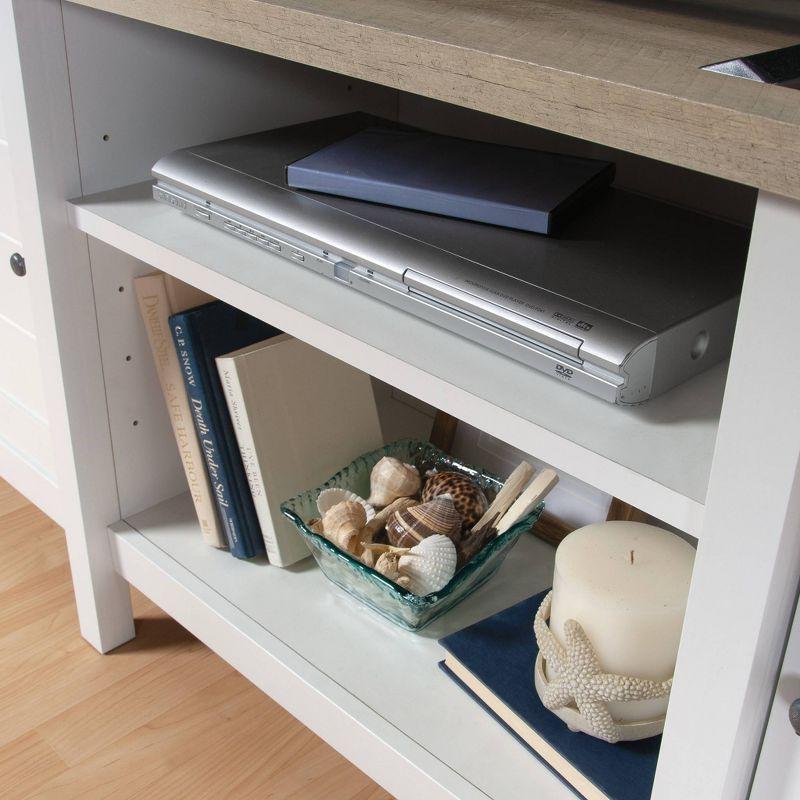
(633, 297)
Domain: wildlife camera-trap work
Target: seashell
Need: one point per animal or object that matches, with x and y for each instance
(390, 479)
(409, 527)
(378, 522)
(315, 525)
(468, 497)
(342, 524)
(387, 566)
(328, 498)
(430, 565)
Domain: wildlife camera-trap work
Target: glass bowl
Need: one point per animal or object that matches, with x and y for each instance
(370, 587)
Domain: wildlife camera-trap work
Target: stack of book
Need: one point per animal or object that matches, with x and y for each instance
(258, 416)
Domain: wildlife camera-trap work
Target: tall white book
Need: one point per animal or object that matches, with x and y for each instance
(159, 296)
(299, 416)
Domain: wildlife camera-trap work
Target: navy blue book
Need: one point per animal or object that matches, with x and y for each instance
(508, 186)
(493, 660)
(200, 335)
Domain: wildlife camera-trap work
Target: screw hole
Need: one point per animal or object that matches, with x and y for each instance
(106, 137)
(121, 289)
(135, 423)
(129, 358)
(699, 345)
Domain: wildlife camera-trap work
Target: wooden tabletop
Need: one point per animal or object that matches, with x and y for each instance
(625, 73)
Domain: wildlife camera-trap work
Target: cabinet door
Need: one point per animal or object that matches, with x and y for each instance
(26, 451)
(778, 771)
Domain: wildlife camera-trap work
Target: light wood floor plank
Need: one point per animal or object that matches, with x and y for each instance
(160, 717)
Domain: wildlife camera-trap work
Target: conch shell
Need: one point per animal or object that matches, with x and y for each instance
(428, 566)
(342, 524)
(328, 498)
(390, 479)
(409, 527)
(387, 565)
(468, 497)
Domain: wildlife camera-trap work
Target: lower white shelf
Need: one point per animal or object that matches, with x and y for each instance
(373, 691)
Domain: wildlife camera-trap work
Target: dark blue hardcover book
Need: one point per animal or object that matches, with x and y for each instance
(200, 335)
(509, 186)
(496, 658)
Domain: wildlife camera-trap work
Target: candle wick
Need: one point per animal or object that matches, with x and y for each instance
(631, 556)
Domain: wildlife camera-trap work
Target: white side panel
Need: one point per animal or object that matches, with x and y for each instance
(9, 217)
(45, 166)
(778, 773)
(748, 561)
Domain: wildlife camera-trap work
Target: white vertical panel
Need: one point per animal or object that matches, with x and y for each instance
(42, 136)
(748, 561)
(778, 772)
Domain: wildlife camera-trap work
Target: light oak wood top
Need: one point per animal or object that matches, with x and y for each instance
(626, 74)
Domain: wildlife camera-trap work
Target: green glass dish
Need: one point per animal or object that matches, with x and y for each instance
(370, 587)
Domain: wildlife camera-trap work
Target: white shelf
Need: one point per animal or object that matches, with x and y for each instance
(656, 456)
(374, 691)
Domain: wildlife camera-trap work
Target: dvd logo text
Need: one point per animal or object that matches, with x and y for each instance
(564, 372)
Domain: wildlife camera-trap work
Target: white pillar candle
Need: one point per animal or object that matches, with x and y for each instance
(626, 583)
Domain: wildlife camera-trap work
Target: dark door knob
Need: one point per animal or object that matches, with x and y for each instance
(18, 264)
(794, 715)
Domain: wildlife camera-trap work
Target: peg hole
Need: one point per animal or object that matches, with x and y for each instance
(135, 423)
(106, 137)
(699, 345)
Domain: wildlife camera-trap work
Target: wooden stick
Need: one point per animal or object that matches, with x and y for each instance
(512, 488)
(539, 487)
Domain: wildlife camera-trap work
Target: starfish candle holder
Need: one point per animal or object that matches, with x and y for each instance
(578, 689)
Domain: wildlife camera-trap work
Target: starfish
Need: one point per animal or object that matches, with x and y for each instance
(579, 679)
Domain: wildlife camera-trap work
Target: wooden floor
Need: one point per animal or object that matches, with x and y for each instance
(160, 717)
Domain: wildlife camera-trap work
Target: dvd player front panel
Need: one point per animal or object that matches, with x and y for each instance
(564, 364)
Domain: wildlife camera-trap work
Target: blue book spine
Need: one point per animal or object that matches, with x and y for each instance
(209, 424)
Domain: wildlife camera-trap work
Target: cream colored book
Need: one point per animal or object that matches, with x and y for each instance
(300, 416)
(159, 296)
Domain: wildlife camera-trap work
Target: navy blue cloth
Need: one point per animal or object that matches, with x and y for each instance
(500, 652)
